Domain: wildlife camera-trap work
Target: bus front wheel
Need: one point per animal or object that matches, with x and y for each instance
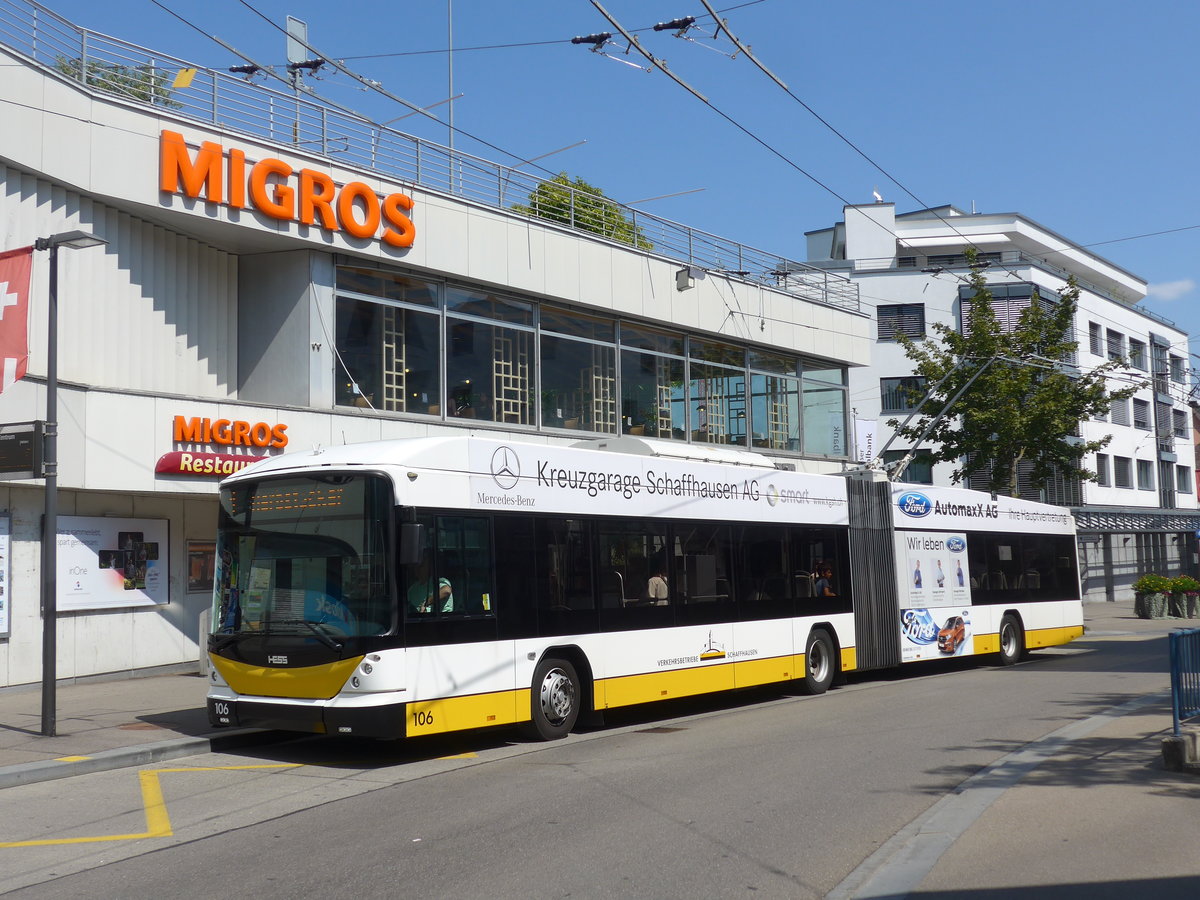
(818, 663)
(555, 700)
(1012, 641)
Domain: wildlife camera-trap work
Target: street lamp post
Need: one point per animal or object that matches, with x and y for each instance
(76, 240)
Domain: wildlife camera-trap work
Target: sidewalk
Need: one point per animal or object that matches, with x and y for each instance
(108, 724)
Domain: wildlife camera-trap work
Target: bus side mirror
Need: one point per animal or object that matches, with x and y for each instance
(412, 542)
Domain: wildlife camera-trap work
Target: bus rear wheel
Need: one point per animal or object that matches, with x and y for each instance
(1012, 641)
(818, 663)
(555, 699)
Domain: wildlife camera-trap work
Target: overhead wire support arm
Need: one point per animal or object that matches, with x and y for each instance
(376, 86)
(744, 48)
(654, 61)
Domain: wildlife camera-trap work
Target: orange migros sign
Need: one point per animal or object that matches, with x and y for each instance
(274, 188)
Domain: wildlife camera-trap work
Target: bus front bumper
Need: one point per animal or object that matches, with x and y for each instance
(377, 720)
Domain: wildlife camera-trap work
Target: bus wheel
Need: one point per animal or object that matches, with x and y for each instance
(1012, 641)
(555, 700)
(818, 663)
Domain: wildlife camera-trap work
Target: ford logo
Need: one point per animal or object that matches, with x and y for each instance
(956, 545)
(914, 504)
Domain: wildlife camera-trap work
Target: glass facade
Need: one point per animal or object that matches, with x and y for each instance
(407, 345)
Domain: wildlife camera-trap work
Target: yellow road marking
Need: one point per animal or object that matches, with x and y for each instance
(461, 756)
(72, 758)
(158, 823)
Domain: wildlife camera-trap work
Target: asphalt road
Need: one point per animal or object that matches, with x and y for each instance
(764, 794)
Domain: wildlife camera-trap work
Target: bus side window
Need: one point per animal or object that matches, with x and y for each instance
(464, 558)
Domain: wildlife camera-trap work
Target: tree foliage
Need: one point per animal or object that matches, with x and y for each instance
(581, 205)
(1025, 401)
(145, 83)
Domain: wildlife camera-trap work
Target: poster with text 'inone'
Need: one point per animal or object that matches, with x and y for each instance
(106, 563)
(5, 568)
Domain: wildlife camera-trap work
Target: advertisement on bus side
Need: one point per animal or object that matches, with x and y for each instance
(935, 633)
(548, 479)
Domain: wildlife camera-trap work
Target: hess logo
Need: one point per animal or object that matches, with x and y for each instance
(914, 504)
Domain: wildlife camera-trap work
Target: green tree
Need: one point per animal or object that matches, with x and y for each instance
(145, 83)
(584, 206)
(1021, 401)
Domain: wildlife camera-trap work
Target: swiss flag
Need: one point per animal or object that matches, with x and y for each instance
(15, 266)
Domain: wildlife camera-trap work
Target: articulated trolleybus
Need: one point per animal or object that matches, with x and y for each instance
(420, 586)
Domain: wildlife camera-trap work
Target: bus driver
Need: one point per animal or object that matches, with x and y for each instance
(421, 593)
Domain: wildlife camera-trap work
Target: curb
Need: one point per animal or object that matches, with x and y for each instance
(137, 755)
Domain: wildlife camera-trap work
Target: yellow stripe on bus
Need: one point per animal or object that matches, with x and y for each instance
(461, 713)
(1052, 637)
(321, 682)
(1037, 637)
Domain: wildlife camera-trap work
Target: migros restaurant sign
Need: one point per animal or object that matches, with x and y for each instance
(225, 433)
(275, 188)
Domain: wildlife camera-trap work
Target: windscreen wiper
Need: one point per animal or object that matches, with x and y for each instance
(322, 635)
(315, 627)
(221, 641)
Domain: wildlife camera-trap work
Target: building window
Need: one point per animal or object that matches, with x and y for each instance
(1102, 476)
(919, 470)
(388, 349)
(1119, 411)
(1009, 303)
(1177, 369)
(898, 395)
(824, 411)
(579, 371)
(716, 393)
(442, 350)
(950, 260)
(774, 401)
(1137, 354)
(1179, 423)
(489, 357)
(1141, 414)
(1145, 475)
(652, 392)
(1116, 345)
(907, 319)
(1183, 479)
(1096, 338)
(1122, 471)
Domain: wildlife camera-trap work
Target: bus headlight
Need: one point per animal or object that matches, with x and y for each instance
(367, 668)
(354, 681)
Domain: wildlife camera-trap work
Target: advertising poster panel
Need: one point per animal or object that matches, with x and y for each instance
(108, 563)
(935, 594)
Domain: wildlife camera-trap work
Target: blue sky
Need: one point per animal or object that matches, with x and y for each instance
(1081, 116)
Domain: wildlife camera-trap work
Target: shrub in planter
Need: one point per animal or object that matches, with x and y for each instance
(1185, 596)
(1150, 596)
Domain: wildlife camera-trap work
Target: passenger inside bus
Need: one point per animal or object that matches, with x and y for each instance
(656, 587)
(824, 583)
(423, 598)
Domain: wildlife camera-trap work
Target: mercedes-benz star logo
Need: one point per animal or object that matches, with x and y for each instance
(506, 468)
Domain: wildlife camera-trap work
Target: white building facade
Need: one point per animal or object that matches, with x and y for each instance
(279, 275)
(1141, 514)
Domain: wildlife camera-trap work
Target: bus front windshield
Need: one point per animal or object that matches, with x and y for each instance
(304, 555)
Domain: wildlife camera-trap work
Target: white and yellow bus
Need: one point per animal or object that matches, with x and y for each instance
(420, 586)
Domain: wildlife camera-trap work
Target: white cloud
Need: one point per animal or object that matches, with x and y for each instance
(1171, 290)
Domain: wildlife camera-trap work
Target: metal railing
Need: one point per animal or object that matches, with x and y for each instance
(299, 118)
(1185, 675)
